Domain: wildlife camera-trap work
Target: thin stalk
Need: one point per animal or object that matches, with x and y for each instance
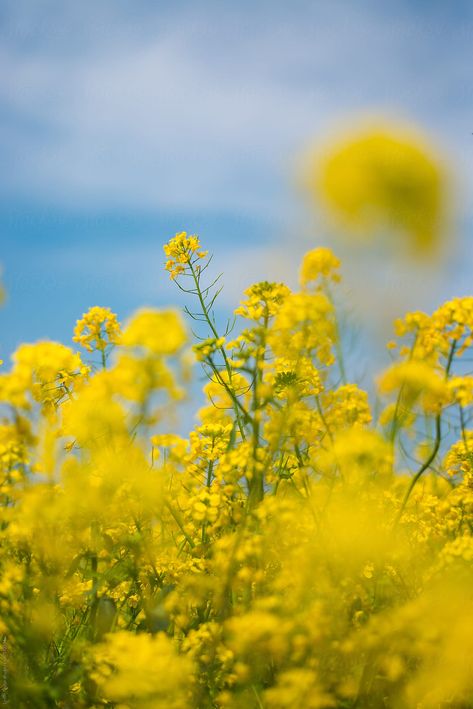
(435, 449)
(237, 404)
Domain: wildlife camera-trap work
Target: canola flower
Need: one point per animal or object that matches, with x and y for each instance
(293, 551)
(382, 176)
(97, 329)
(182, 252)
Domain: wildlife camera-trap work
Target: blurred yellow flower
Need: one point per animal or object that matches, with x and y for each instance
(320, 263)
(162, 332)
(382, 176)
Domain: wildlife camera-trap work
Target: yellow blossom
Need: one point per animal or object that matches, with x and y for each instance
(380, 175)
(161, 332)
(319, 263)
(97, 329)
(181, 251)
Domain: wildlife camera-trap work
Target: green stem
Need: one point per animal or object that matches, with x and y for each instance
(180, 524)
(338, 344)
(256, 484)
(433, 454)
(236, 403)
(103, 357)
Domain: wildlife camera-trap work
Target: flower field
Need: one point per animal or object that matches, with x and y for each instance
(297, 549)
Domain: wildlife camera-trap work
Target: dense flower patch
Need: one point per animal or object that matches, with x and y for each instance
(301, 548)
(293, 551)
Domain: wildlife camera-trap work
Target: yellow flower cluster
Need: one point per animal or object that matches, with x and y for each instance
(318, 264)
(263, 301)
(293, 550)
(142, 666)
(382, 176)
(417, 380)
(43, 372)
(97, 328)
(305, 322)
(160, 332)
(181, 251)
(208, 347)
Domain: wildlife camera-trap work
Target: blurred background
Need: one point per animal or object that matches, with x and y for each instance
(123, 122)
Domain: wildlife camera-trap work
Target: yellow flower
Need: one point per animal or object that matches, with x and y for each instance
(383, 175)
(208, 347)
(94, 416)
(459, 459)
(44, 372)
(434, 336)
(319, 263)
(97, 328)
(138, 378)
(142, 671)
(181, 251)
(304, 323)
(263, 300)
(161, 332)
(416, 380)
(462, 390)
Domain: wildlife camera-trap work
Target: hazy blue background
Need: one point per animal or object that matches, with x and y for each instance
(124, 122)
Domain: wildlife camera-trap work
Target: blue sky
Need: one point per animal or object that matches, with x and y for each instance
(124, 122)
